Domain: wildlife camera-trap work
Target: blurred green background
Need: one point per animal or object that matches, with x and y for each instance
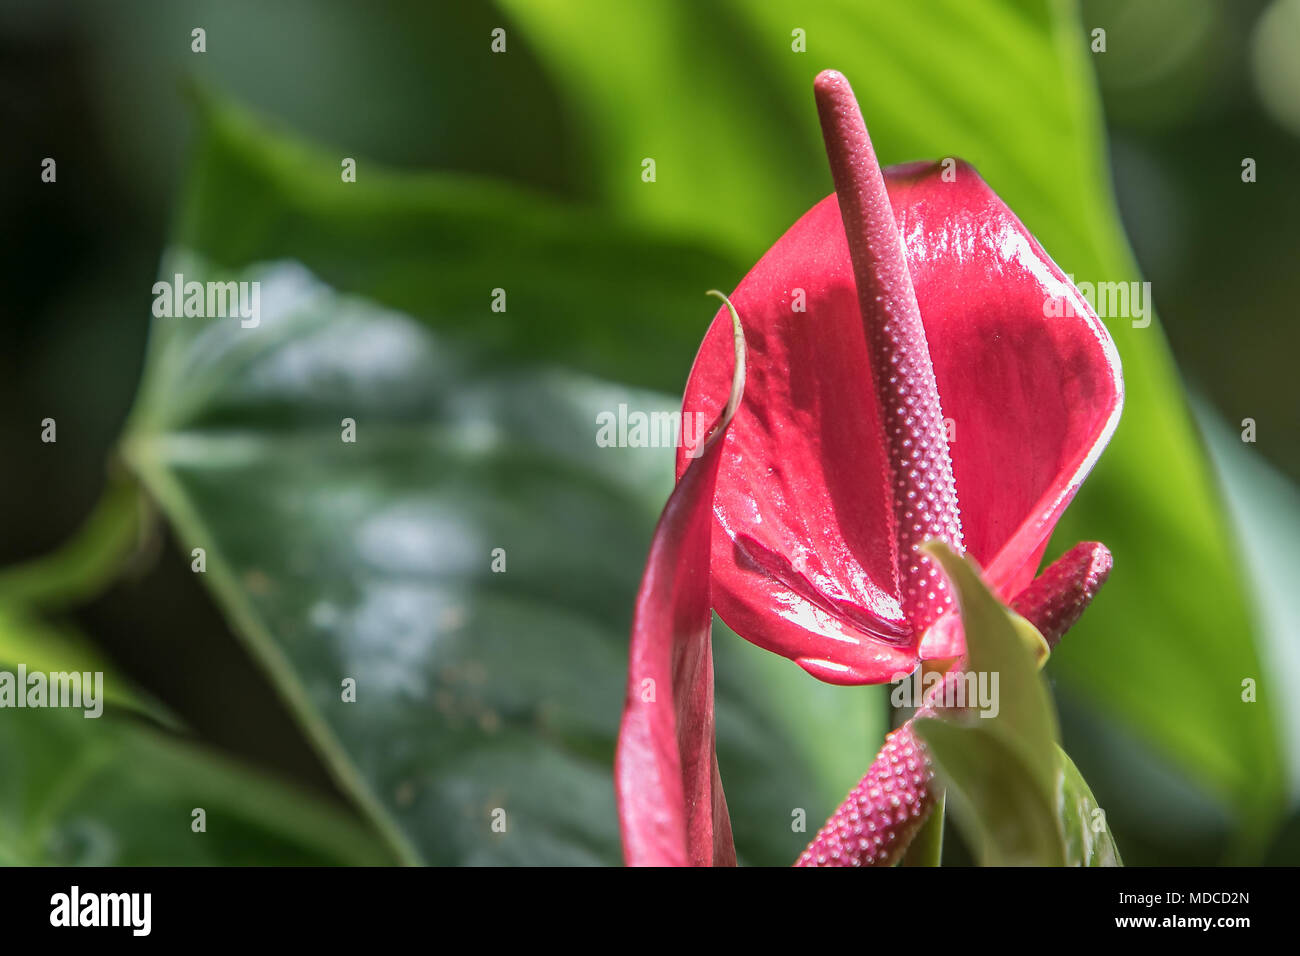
(522, 170)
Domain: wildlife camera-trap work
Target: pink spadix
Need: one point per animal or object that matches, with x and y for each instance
(921, 483)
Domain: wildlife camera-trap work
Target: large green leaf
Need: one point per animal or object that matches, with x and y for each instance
(96, 784)
(581, 289)
(478, 690)
(1265, 508)
(714, 93)
(108, 792)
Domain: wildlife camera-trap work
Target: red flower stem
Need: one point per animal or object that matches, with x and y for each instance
(923, 492)
(877, 821)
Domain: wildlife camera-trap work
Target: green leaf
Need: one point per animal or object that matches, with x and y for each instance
(582, 289)
(996, 649)
(477, 690)
(76, 571)
(47, 647)
(743, 112)
(1017, 796)
(92, 786)
(106, 792)
(994, 796)
(926, 848)
(1001, 772)
(1265, 507)
(1007, 86)
(1088, 840)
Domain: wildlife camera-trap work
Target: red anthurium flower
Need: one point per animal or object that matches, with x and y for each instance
(839, 462)
(918, 368)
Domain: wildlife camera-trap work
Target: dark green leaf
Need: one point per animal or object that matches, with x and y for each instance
(105, 792)
(107, 789)
(581, 288)
(477, 691)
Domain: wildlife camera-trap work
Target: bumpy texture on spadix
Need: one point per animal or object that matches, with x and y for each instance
(806, 551)
(920, 483)
(1056, 599)
(883, 812)
(878, 819)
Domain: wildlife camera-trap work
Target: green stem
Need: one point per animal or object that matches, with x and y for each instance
(84, 565)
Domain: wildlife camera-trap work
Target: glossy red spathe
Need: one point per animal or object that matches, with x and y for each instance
(805, 549)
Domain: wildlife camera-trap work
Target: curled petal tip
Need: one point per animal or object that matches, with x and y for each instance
(738, 375)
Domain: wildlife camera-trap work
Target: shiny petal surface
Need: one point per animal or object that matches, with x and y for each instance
(1027, 372)
(803, 558)
(803, 563)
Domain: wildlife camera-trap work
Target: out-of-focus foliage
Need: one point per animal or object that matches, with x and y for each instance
(112, 790)
(604, 279)
(466, 562)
